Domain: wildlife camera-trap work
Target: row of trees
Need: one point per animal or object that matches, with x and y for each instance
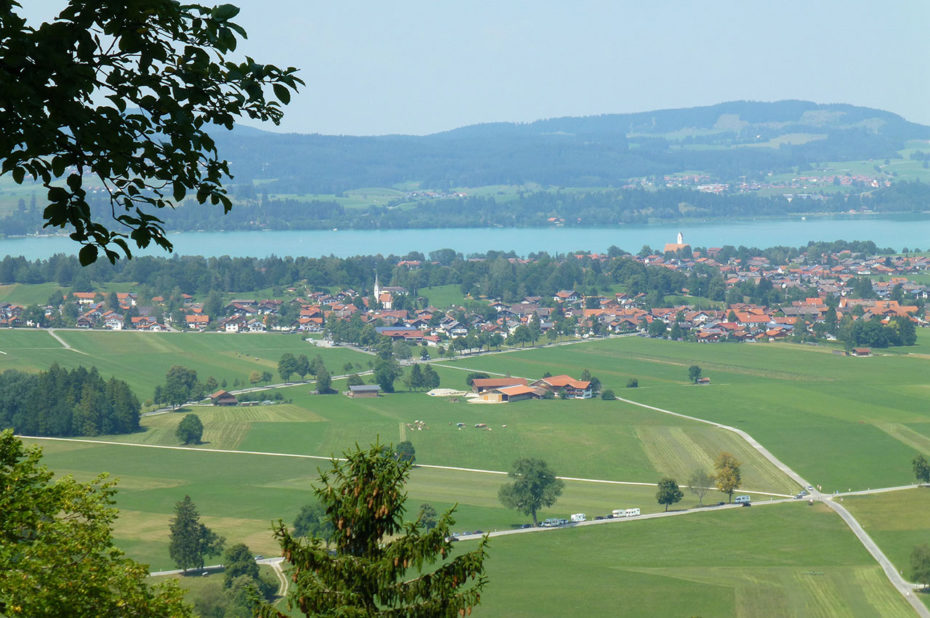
(62, 402)
(535, 485)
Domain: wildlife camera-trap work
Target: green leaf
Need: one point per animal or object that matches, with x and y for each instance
(18, 175)
(282, 93)
(224, 12)
(57, 194)
(179, 192)
(87, 255)
(58, 166)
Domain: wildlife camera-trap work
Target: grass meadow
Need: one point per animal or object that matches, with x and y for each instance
(142, 359)
(782, 560)
(896, 520)
(841, 422)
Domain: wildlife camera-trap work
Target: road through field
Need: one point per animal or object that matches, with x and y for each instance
(325, 458)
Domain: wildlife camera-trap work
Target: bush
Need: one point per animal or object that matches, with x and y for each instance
(632, 383)
(608, 395)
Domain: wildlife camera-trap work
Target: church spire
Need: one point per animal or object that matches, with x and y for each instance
(377, 290)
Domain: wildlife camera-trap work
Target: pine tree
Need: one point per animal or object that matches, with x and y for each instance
(379, 565)
(191, 541)
(430, 378)
(416, 377)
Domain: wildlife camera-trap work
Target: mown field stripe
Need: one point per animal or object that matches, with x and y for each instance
(320, 457)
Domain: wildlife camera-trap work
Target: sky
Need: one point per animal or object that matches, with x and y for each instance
(424, 66)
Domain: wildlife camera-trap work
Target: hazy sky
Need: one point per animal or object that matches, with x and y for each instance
(430, 65)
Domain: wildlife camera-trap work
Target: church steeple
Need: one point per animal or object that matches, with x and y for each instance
(681, 239)
(377, 290)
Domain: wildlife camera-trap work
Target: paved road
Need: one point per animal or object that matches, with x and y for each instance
(904, 587)
(618, 520)
(274, 563)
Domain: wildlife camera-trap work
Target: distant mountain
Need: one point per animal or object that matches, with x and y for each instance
(726, 141)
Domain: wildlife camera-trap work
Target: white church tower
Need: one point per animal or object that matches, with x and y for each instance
(681, 239)
(377, 290)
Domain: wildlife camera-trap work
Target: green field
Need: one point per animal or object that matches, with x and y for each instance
(786, 560)
(443, 296)
(142, 359)
(896, 520)
(239, 494)
(842, 422)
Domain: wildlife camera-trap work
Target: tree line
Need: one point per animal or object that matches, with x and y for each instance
(526, 209)
(494, 274)
(62, 402)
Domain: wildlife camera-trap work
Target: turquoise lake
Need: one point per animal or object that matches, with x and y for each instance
(895, 232)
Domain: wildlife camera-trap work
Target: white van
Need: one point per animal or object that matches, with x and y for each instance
(632, 512)
(576, 517)
(742, 500)
(618, 513)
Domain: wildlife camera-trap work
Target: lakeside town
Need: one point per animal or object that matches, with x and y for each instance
(818, 293)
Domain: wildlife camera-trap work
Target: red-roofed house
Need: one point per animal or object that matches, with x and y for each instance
(572, 388)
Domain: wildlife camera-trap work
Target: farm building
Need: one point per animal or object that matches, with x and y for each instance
(363, 390)
(572, 388)
(480, 385)
(223, 398)
(516, 393)
(861, 352)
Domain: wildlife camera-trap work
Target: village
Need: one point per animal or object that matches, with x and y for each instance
(892, 290)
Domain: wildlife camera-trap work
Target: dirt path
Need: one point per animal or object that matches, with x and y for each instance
(64, 344)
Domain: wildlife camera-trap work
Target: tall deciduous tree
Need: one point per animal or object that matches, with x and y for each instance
(405, 451)
(287, 366)
(126, 94)
(378, 565)
(921, 469)
(668, 493)
(694, 373)
(324, 381)
(700, 483)
(238, 560)
(57, 556)
(180, 385)
(728, 476)
(190, 429)
(302, 367)
(191, 541)
(313, 521)
(426, 517)
(920, 565)
(534, 486)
